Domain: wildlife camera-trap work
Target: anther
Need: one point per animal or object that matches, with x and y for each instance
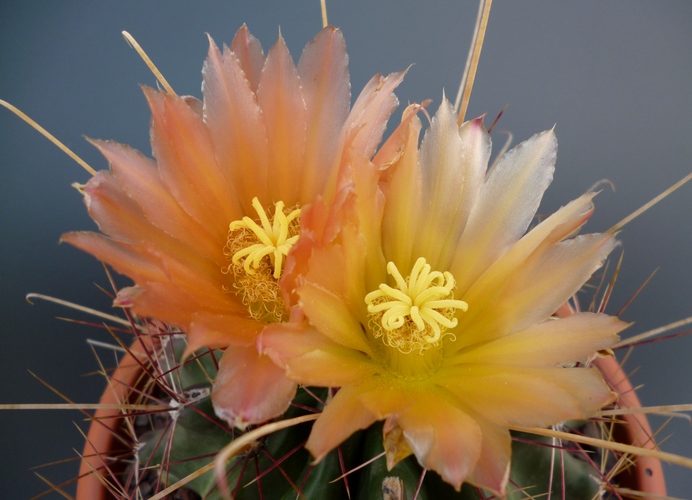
(256, 251)
(273, 239)
(417, 313)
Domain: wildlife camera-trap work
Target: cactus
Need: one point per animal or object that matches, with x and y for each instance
(175, 443)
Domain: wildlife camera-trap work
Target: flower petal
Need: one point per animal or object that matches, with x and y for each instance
(561, 224)
(124, 258)
(334, 367)
(221, 330)
(115, 213)
(403, 201)
(549, 343)
(492, 469)
(234, 120)
(122, 219)
(368, 118)
(249, 388)
(187, 163)
(535, 291)
(163, 301)
(512, 395)
(139, 178)
(248, 51)
(283, 108)
(323, 70)
(284, 341)
(442, 437)
(506, 204)
(384, 396)
(198, 278)
(342, 416)
(453, 168)
(329, 314)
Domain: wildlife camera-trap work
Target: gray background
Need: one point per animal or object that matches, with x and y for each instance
(614, 75)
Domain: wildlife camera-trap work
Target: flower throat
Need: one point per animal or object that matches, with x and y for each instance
(256, 249)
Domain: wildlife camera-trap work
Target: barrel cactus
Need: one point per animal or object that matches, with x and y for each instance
(167, 446)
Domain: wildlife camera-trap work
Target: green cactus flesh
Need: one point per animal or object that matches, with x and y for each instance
(193, 436)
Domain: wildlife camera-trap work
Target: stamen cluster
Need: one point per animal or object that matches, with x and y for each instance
(417, 313)
(256, 249)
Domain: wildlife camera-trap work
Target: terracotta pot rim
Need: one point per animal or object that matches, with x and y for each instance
(647, 476)
(101, 435)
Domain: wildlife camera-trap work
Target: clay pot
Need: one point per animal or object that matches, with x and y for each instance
(647, 475)
(103, 440)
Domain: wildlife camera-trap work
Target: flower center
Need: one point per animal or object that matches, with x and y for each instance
(417, 313)
(256, 249)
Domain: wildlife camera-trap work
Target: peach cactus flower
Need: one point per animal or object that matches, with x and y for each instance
(432, 307)
(203, 231)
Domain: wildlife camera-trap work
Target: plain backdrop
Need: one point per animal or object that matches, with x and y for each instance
(613, 75)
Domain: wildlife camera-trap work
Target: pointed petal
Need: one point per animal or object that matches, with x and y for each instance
(139, 178)
(512, 395)
(334, 367)
(443, 438)
(320, 224)
(115, 213)
(121, 218)
(234, 120)
(163, 301)
(448, 161)
(125, 259)
(506, 204)
(323, 70)
(187, 163)
(535, 291)
(248, 51)
(549, 343)
(589, 388)
(384, 398)
(368, 118)
(476, 149)
(364, 272)
(558, 226)
(342, 416)
(403, 202)
(281, 98)
(221, 330)
(285, 341)
(328, 313)
(327, 267)
(197, 277)
(368, 208)
(249, 388)
(492, 469)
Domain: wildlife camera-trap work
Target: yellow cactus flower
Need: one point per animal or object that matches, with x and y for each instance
(426, 298)
(204, 230)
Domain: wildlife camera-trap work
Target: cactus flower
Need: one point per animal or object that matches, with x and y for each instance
(422, 294)
(204, 230)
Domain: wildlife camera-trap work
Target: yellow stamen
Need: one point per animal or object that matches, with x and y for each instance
(256, 249)
(273, 239)
(417, 313)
